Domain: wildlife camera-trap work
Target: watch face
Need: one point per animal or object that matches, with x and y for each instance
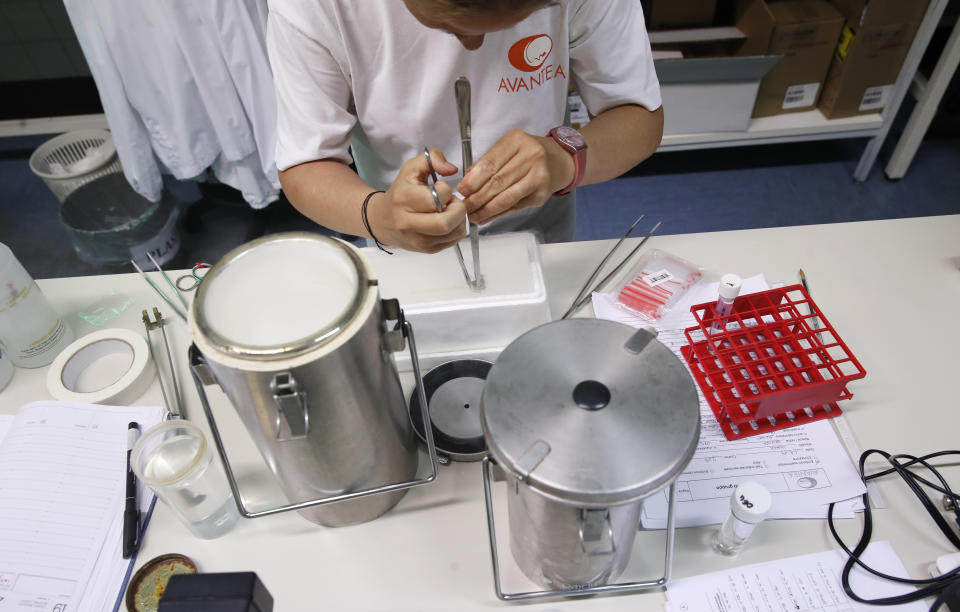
(570, 136)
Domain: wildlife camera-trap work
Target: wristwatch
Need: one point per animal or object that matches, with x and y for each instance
(572, 140)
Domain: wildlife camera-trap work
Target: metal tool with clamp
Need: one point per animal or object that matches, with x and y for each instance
(171, 395)
(171, 398)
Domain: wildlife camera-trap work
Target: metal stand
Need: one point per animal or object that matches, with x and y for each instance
(407, 332)
(928, 94)
(910, 64)
(622, 587)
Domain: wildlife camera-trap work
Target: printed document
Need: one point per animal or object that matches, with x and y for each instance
(62, 477)
(804, 467)
(807, 583)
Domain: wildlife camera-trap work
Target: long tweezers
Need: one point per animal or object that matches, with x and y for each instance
(180, 313)
(439, 206)
(582, 297)
(461, 90)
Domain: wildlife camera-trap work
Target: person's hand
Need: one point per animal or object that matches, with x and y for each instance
(406, 215)
(520, 170)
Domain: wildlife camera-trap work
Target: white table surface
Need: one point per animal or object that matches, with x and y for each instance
(890, 288)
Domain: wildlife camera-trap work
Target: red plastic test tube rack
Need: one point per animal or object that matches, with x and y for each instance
(769, 367)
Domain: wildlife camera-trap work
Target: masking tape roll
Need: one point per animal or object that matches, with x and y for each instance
(125, 387)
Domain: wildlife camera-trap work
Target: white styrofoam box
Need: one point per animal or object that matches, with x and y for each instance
(711, 94)
(450, 320)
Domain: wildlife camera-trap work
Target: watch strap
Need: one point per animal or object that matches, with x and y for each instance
(579, 155)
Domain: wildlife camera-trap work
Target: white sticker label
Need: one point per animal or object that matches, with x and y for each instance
(578, 110)
(875, 97)
(162, 247)
(799, 96)
(658, 278)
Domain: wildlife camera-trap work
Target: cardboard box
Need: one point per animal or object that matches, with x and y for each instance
(665, 14)
(805, 35)
(714, 86)
(873, 45)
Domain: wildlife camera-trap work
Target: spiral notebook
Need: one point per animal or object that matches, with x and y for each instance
(62, 490)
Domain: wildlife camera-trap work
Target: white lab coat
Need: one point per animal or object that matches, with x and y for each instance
(185, 86)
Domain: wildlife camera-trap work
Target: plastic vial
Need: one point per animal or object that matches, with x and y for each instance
(729, 290)
(749, 505)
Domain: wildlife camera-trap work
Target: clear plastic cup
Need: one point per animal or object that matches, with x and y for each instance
(175, 460)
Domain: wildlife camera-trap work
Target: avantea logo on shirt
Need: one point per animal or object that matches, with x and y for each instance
(529, 55)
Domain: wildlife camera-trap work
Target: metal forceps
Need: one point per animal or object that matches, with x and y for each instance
(472, 283)
(172, 398)
(461, 90)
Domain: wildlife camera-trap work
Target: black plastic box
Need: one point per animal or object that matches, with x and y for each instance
(226, 592)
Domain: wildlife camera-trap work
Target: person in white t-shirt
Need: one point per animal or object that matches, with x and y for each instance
(372, 82)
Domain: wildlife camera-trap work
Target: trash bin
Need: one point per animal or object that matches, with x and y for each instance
(108, 222)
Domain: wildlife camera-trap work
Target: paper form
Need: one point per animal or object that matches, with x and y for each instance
(797, 584)
(62, 474)
(804, 467)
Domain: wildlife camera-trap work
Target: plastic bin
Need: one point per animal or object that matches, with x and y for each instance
(108, 222)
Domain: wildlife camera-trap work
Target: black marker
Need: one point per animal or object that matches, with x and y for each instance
(131, 515)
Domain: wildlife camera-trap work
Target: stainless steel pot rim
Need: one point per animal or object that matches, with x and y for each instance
(286, 349)
(633, 431)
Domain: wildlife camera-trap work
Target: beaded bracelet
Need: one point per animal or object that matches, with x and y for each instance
(366, 221)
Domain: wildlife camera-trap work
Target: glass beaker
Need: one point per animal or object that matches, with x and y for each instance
(174, 459)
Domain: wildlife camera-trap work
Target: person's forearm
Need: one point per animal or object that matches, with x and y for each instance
(405, 215)
(620, 138)
(328, 192)
(617, 139)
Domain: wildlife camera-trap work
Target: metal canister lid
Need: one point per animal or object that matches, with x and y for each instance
(280, 296)
(591, 413)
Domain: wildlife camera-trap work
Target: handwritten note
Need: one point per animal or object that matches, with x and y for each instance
(809, 583)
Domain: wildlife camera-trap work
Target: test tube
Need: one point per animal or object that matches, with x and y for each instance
(749, 505)
(729, 290)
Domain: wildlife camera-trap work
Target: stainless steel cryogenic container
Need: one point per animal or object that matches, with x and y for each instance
(293, 329)
(585, 418)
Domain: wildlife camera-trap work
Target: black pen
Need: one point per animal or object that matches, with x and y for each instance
(131, 515)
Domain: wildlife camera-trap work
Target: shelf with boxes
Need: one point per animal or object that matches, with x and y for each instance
(746, 72)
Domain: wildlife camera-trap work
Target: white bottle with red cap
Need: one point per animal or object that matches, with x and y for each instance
(729, 289)
(749, 505)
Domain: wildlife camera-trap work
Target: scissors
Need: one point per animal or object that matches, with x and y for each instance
(472, 283)
(189, 282)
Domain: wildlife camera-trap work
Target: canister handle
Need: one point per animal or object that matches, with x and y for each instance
(622, 587)
(197, 363)
(589, 531)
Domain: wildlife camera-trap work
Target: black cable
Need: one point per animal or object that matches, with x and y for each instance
(941, 586)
